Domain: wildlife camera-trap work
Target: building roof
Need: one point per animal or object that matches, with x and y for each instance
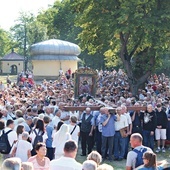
(54, 57)
(55, 47)
(12, 57)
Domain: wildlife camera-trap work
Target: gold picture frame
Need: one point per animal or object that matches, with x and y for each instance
(85, 82)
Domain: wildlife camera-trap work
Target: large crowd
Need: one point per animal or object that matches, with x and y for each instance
(43, 135)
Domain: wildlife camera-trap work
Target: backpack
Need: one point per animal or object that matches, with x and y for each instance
(38, 138)
(139, 158)
(5, 146)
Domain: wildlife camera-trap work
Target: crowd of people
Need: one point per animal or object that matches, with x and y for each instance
(42, 132)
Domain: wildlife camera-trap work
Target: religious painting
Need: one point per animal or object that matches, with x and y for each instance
(85, 82)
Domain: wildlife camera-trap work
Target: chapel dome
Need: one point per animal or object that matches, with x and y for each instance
(55, 47)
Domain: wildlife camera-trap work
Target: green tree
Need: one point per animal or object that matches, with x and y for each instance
(26, 32)
(5, 42)
(136, 31)
(60, 22)
(164, 65)
(47, 19)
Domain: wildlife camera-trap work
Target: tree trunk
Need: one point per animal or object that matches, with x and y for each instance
(134, 89)
(126, 59)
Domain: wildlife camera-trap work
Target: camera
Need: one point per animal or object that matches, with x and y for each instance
(112, 111)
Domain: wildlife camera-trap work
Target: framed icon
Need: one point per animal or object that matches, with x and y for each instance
(85, 82)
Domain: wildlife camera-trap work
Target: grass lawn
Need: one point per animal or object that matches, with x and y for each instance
(120, 165)
(13, 78)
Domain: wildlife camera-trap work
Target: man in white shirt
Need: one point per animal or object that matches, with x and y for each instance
(56, 118)
(22, 149)
(67, 162)
(12, 136)
(119, 138)
(129, 128)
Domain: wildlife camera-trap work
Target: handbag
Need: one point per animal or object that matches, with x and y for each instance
(123, 132)
(73, 130)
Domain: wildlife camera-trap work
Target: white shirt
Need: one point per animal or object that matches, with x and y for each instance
(55, 121)
(49, 115)
(65, 163)
(76, 114)
(74, 135)
(12, 136)
(64, 114)
(129, 120)
(122, 123)
(23, 147)
(10, 116)
(33, 135)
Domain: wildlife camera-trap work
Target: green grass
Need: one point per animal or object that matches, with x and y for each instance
(13, 78)
(120, 165)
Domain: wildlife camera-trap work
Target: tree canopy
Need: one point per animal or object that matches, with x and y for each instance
(136, 31)
(60, 22)
(5, 42)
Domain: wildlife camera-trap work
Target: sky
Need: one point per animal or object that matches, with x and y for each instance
(9, 10)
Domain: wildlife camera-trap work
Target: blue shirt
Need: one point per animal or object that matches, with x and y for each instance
(49, 130)
(151, 168)
(95, 116)
(109, 129)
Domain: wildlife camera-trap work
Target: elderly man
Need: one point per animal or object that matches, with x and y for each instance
(120, 135)
(12, 164)
(86, 131)
(67, 162)
(65, 115)
(89, 165)
(98, 128)
(129, 128)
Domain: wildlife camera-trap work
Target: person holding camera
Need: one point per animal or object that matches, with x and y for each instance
(108, 131)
